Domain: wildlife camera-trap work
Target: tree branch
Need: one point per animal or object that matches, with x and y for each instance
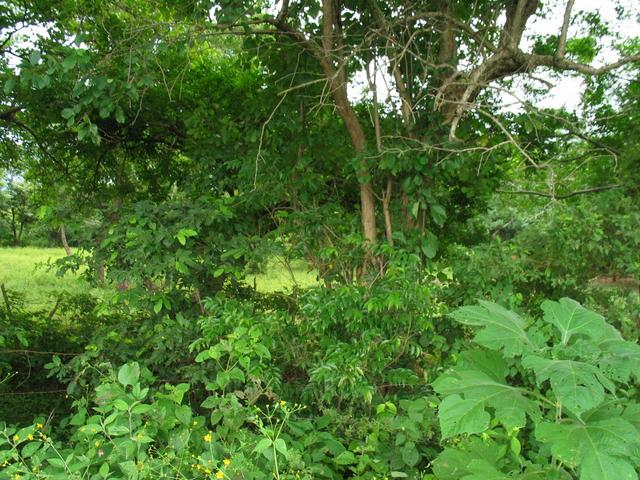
(562, 42)
(561, 197)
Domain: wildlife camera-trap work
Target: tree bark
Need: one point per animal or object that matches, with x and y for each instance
(63, 238)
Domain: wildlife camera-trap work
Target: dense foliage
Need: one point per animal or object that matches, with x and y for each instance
(404, 155)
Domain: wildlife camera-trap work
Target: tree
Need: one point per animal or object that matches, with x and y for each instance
(16, 208)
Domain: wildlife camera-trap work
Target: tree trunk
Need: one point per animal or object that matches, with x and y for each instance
(337, 82)
(14, 229)
(358, 140)
(63, 238)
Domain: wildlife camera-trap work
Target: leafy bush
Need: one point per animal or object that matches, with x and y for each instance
(549, 400)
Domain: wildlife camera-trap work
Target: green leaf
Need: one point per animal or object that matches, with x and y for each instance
(129, 374)
(120, 405)
(281, 446)
(439, 214)
(415, 208)
(501, 328)
(410, 454)
(185, 233)
(34, 57)
(30, 449)
(9, 85)
(263, 445)
(184, 414)
(483, 470)
(345, 458)
(56, 462)
(454, 463)
(68, 113)
(69, 62)
(141, 409)
(158, 306)
(429, 245)
(571, 319)
(602, 450)
(577, 385)
(470, 392)
(120, 118)
(458, 416)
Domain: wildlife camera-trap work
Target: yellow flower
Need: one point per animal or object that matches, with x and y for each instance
(282, 403)
(219, 474)
(207, 438)
(39, 425)
(29, 437)
(227, 462)
(16, 438)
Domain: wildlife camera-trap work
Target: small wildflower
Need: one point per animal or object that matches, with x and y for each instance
(30, 437)
(39, 426)
(282, 403)
(226, 462)
(219, 474)
(207, 438)
(16, 438)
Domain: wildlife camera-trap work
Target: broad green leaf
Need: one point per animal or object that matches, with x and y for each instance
(619, 359)
(453, 463)
(509, 404)
(458, 416)
(571, 318)
(501, 328)
(577, 385)
(601, 450)
(483, 470)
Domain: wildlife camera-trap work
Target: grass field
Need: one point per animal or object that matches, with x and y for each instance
(25, 271)
(280, 278)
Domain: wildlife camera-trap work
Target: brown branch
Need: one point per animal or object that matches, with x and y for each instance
(562, 42)
(561, 197)
(534, 61)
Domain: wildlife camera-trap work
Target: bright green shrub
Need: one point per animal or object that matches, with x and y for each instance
(556, 399)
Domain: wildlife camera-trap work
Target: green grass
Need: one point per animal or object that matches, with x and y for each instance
(24, 270)
(278, 277)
